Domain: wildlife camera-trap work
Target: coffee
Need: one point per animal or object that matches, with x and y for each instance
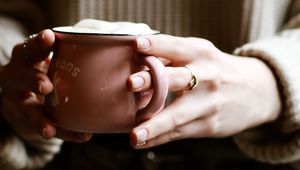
(104, 27)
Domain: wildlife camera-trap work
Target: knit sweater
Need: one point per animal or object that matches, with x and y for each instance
(255, 28)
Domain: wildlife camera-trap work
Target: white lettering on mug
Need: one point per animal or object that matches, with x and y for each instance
(67, 66)
(75, 72)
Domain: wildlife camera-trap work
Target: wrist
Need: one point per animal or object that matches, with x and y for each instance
(259, 75)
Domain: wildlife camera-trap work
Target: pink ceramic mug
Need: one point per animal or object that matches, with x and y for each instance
(89, 74)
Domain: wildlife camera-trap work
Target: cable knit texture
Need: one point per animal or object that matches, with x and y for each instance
(227, 25)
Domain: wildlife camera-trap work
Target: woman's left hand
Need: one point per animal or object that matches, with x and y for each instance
(230, 94)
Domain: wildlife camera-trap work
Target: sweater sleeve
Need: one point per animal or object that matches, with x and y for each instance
(16, 153)
(279, 141)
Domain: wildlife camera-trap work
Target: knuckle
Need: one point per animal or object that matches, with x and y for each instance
(218, 103)
(196, 43)
(40, 76)
(215, 83)
(181, 45)
(178, 119)
(208, 50)
(39, 81)
(174, 135)
(180, 49)
(212, 125)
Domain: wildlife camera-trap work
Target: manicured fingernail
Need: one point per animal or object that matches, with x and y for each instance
(137, 82)
(141, 136)
(143, 43)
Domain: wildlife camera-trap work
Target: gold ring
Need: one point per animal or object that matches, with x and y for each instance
(193, 83)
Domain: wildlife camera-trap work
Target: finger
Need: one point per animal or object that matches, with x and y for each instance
(140, 81)
(195, 53)
(43, 66)
(143, 98)
(40, 83)
(78, 137)
(46, 128)
(35, 113)
(179, 78)
(37, 48)
(165, 61)
(27, 117)
(180, 112)
(178, 50)
(203, 127)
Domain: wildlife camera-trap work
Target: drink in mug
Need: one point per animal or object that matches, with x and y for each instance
(89, 69)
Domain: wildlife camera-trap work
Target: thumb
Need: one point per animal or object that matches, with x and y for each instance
(40, 47)
(36, 48)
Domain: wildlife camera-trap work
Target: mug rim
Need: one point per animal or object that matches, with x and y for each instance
(60, 30)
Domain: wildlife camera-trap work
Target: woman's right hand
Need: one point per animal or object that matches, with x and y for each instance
(24, 84)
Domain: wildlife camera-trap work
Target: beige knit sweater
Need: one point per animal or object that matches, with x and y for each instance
(270, 30)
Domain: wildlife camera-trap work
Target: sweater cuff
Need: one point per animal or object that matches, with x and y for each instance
(16, 154)
(279, 141)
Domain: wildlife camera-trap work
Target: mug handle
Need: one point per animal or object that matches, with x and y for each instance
(160, 83)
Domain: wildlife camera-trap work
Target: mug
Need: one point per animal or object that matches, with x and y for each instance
(89, 73)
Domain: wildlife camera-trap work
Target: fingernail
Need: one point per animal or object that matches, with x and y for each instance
(43, 35)
(141, 136)
(83, 137)
(40, 86)
(44, 133)
(137, 82)
(87, 136)
(143, 43)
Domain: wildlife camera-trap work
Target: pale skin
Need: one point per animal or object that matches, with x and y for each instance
(234, 93)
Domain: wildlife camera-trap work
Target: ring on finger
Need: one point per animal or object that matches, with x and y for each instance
(193, 83)
(25, 45)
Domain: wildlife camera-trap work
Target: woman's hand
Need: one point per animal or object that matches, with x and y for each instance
(24, 84)
(231, 93)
